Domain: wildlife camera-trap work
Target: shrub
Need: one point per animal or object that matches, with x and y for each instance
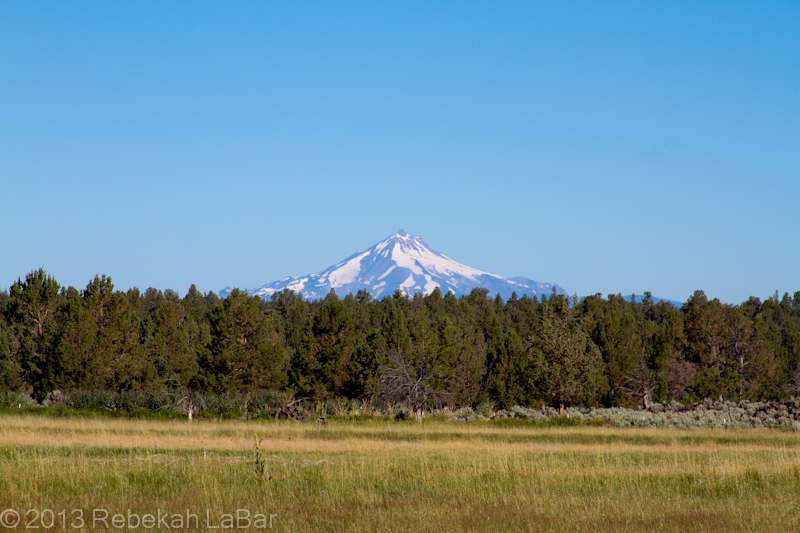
(15, 400)
(710, 414)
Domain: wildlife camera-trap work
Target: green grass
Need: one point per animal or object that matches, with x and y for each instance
(380, 475)
(69, 412)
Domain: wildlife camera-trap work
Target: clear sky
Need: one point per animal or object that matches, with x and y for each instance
(605, 146)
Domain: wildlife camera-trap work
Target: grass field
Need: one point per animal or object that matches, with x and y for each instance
(398, 476)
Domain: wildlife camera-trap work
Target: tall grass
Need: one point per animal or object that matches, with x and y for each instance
(400, 476)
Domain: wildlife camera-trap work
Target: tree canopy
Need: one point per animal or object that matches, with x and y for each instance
(610, 351)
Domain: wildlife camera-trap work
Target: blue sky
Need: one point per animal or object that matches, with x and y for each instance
(606, 146)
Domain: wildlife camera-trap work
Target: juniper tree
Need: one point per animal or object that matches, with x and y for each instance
(568, 364)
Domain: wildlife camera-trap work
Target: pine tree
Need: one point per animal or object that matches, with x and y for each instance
(507, 371)
(98, 345)
(169, 347)
(31, 310)
(11, 371)
(568, 364)
(246, 351)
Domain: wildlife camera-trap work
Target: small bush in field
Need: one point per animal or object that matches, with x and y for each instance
(15, 400)
(56, 399)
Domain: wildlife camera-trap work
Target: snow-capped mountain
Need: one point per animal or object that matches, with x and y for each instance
(403, 262)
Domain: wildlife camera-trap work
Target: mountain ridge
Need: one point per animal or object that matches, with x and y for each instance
(401, 262)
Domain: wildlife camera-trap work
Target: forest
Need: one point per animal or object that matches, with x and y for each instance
(422, 351)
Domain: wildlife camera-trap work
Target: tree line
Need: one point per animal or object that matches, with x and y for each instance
(455, 351)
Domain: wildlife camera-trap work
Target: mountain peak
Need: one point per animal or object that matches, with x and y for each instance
(402, 262)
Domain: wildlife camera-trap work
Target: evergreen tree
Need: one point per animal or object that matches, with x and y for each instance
(321, 365)
(707, 334)
(568, 364)
(31, 312)
(98, 345)
(246, 351)
(169, 347)
(10, 368)
(617, 335)
(748, 356)
(463, 356)
(508, 368)
(369, 346)
(664, 340)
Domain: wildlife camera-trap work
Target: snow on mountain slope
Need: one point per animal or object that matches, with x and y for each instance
(401, 262)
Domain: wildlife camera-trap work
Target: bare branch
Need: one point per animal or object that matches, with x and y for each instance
(400, 386)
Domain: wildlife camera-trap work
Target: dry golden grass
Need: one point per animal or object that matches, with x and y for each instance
(393, 476)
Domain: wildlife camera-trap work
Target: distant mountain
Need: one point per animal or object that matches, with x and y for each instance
(656, 299)
(640, 297)
(401, 262)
